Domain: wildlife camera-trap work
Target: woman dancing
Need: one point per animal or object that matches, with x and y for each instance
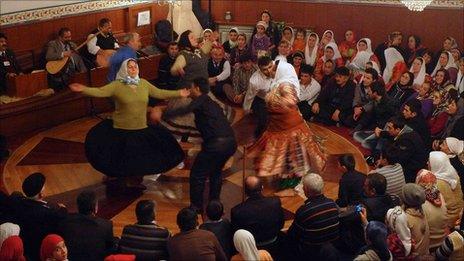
(287, 148)
(125, 146)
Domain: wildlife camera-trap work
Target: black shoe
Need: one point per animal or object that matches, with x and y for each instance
(370, 160)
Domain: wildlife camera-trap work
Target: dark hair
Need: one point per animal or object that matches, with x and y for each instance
(389, 153)
(253, 189)
(214, 210)
(453, 96)
(266, 12)
(446, 75)
(232, 30)
(264, 60)
(145, 211)
(363, 41)
(377, 182)
(330, 61)
(298, 54)
(245, 58)
(397, 121)
(377, 233)
(2, 35)
(411, 78)
(184, 42)
(378, 87)
(347, 161)
(202, 83)
(342, 71)
(414, 106)
(187, 219)
(445, 52)
(429, 52)
(329, 47)
(87, 202)
(300, 30)
(63, 30)
(103, 22)
(172, 44)
(416, 39)
(306, 68)
(373, 72)
(393, 35)
(242, 34)
(283, 41)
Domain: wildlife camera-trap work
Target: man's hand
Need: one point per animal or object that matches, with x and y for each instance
(67, 53)
(11, 74)
(212, 81)
(363, 216)
(336, 116)
(357, 112)
(239, 98)
(315, 108)
(76, 87)
(377, 131)
(155, 114)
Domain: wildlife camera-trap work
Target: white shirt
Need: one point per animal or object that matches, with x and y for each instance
(93, 47)
(280, 57)
(259, 86)
(225, 72)
(309, 92)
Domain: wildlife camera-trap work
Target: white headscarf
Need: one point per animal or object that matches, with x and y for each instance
(334, 47)
(8, 230)
(460, 81)
(286, 73)
(293, 34)
(123, 75)
(450, 64)
(311, 56)
(245, 244)
(440, 166)
(233, 44)
(362, 57)
(376, 67)
(455, 146)
(397, 222)
(392, 56)
(333, 35)
(420, 78)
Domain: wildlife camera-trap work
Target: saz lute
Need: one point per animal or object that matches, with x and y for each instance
(54, 67)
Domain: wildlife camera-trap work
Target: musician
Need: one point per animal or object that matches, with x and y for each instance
(103, 41)
(131, 45)
(9, 66)
(63, 47)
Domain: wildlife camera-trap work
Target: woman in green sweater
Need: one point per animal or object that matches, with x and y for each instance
(125, 146)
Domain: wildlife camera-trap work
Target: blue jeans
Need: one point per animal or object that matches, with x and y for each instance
(369, 141)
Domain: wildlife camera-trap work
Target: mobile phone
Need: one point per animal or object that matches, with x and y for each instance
(358, 208)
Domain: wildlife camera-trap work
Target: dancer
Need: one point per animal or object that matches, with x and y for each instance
(287, 148)
(218, 141)
(125, 146)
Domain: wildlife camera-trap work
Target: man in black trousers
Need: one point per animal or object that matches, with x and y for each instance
(218, 142)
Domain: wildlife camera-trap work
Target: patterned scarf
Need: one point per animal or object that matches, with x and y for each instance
(428, 181)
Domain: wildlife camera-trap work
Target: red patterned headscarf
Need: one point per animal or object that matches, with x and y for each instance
(428, 181)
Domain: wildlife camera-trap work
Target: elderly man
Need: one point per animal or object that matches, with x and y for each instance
(132, 45)
(316, 223)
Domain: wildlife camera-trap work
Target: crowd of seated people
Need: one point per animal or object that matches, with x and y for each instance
(404, 104)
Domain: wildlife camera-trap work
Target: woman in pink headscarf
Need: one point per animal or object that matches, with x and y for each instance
(53, 248)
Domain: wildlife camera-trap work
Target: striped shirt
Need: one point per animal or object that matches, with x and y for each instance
(316, 222)
(147, 242)
(394, 176)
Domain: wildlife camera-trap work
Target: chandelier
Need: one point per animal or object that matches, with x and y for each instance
(416, 5)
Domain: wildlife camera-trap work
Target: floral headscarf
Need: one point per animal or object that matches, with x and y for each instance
(428, 181)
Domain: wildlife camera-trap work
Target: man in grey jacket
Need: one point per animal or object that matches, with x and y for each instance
(63, 47)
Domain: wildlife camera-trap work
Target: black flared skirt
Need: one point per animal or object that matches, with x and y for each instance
(122, 153)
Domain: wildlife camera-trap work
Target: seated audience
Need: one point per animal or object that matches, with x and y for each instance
(165, 79)
(334, 102)
(131, 45)
(311, 54)
(434, 208)
(164, 35)
(87, 236)
(441, 82)
(363, 55)
(454, 148)
(12, 249)
(35, 216)
(330, 53)
(53, 248)
(452, 248)
(419, 71)
(428, 60)
(446, 62)
(383, 108)
(402, 89)
(423, 95)
(231, 41)
(238, 51)
(460, 78)
(218, 72)
(102, 44)
(400, 242)
(298, 44)
(8, 230)
(448, 184)
(245, 244)
(9, 66)
(283, 51)
(375, 199)
(192, 243)
(145, 239)
(309, 90)
(394, 40)
(454, 126)
(261, 216)
(437, 120)
(260, 43)
(297, 61)
(328, 72)
(377, 246)
(240, 79)
(414, 49)
(219, 226)
(351, 183)
(387, 165)
(413, 196)
(288, 34)
(316, 224)
(395, 67)
(414, 119)
(348, 46)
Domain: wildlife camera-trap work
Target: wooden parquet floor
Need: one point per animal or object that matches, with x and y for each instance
(58, 153)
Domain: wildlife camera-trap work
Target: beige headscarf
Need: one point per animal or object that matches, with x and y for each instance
(245, 244)
(440, 166)
(450, 64)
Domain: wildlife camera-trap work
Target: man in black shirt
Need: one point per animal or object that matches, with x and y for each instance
(165, 79)
(218, 141)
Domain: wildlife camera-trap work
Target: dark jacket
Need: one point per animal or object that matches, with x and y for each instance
(8, 64)
(350, 188)
(223, 232)
(36, 219)
(262, 216)
(165, 79)
(378, 206)
(337, 97)
(419, 125)
(87, 237)
(383, 110)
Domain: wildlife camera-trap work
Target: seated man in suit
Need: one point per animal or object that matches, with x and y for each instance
(261, 216)
(60, 48)
(36, 217)
(87, 236)
(9, 66)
